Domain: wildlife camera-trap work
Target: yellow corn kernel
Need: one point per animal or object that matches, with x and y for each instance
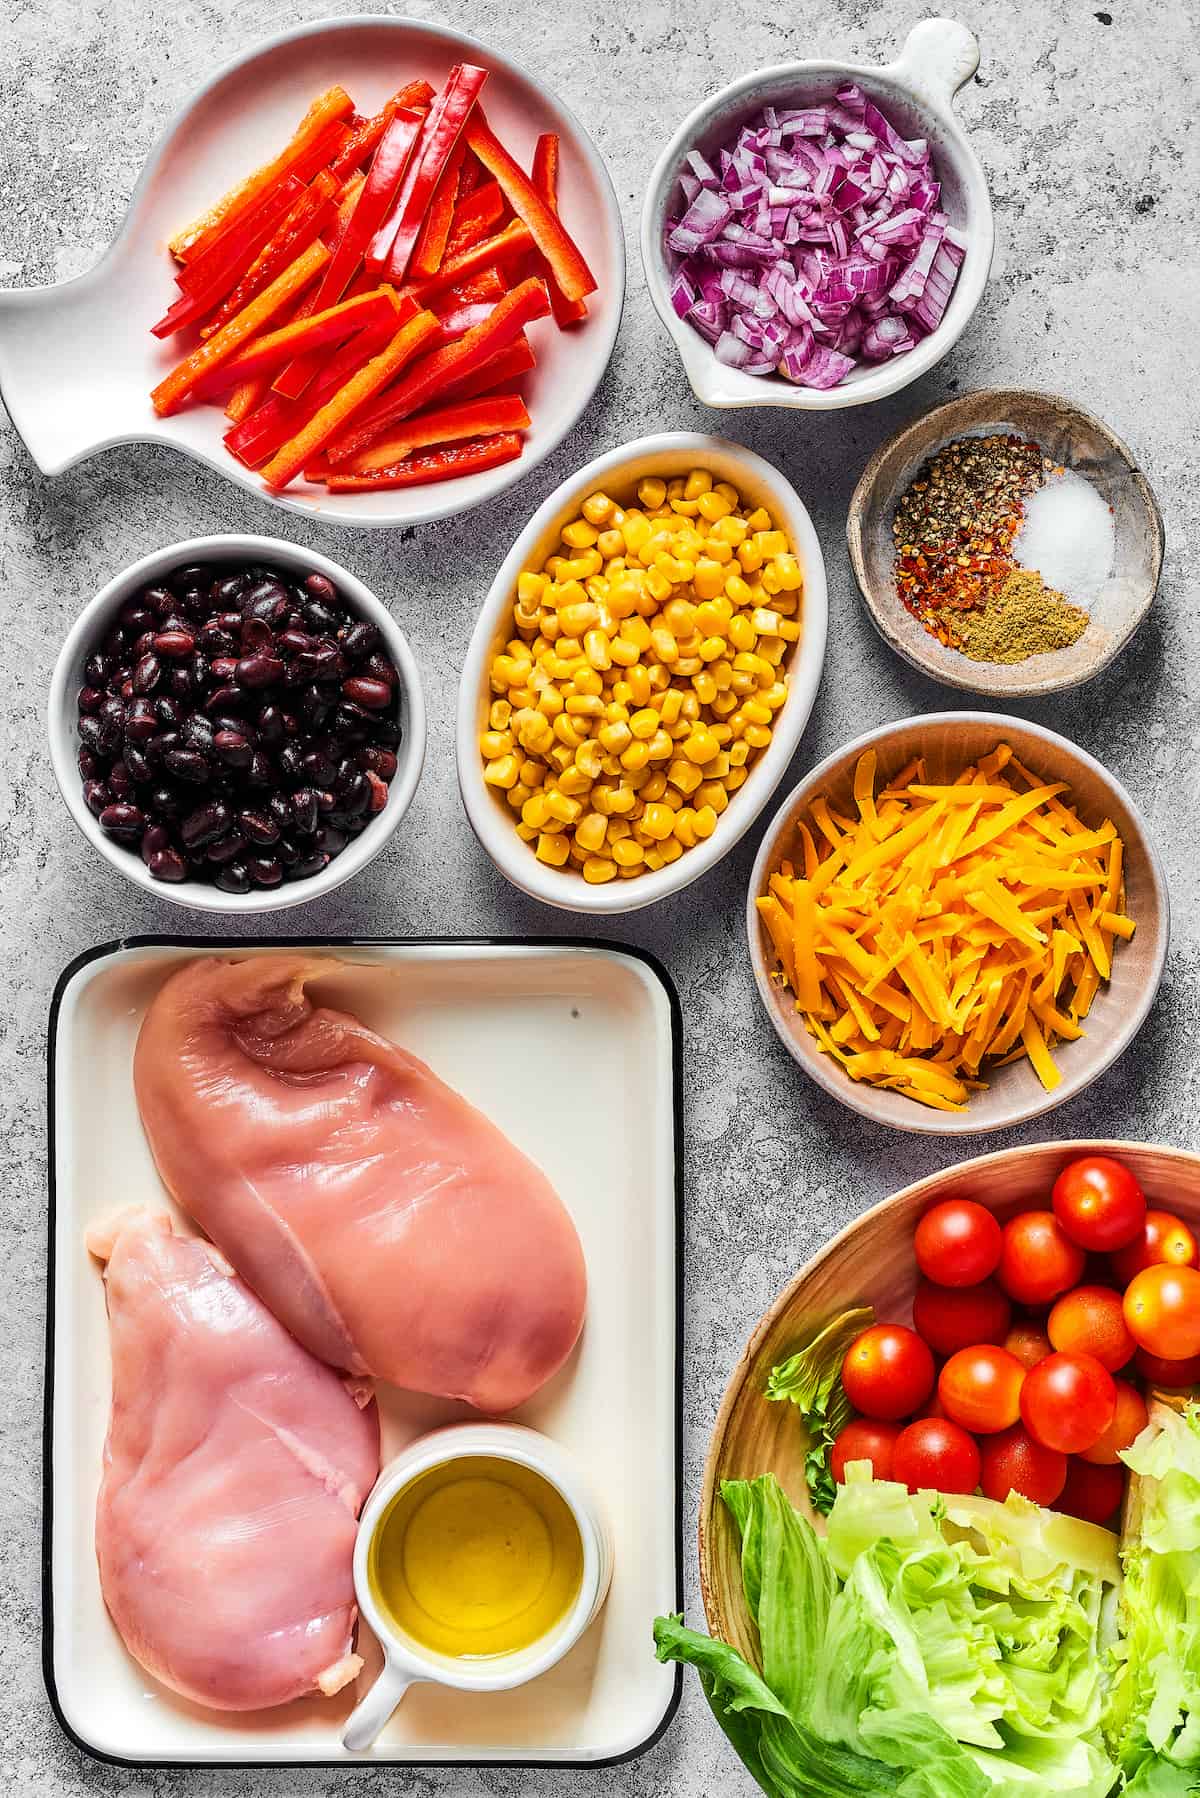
(759, 519)
(742, 634)
(596, 648)
(640, 689)
(712, 793)
(574, 782)
(530, 587)
(704, 821)
(525, 833)
(637, 632)
(597, 508)
(660, 748)
(712, 618)
(670, 851)
(699, 481)
(709, 578)
(566, 732)
(671, 702)
(591, 831)
(589, 759)
(755, 712)
(627, 852)
(765, 621)
(663, 643)
(705, 687)
(552, 850)
(623, 653)
(658, 822)
(749, 557)
(730, 530)
(659, 677)
(624, 592)
(685, 832)
(645, 722)
(684, 775)
(500, 714)
(635, 530)
(652, 492)
(658, 585)
(679, 616)
(771, 542)
(714, 506)
(535, 811)
(611, 546)
(579, 534)
(757, 735)
(503, 772)
(560, 757)
(532, 772)
(790, 577)
(770, 579)
(495, 743)
(653, 787)
(584, 705)
(615, 737)
(735, 778)
(516, 796)
(578, 619)
(739, 754)
(635, 758)
(597, 869)
(537, 734)
(654, 859)
(563, 807)
(689, 711)
(701, 747)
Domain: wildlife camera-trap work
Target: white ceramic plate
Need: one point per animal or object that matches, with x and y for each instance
(570, 1049)
(77, 361)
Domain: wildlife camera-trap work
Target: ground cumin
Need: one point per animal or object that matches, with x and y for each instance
(1025, 618)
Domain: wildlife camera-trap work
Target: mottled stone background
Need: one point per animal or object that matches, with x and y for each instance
(1085, 122)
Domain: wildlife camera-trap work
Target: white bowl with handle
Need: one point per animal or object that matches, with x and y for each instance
(917, 93)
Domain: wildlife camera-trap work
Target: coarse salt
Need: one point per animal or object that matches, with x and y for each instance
(1068, 537)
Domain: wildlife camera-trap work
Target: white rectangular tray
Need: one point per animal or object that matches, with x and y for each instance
(573, 1050)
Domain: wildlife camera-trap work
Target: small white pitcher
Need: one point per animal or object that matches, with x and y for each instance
(406, 1662)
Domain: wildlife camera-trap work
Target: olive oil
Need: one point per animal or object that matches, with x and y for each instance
(477, 1558)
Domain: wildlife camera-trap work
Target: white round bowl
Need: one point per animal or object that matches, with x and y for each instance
(917, 92)
(63, 719)
(68, 404)
(618, 473)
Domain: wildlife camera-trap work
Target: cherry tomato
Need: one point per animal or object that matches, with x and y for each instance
(1129, 1420)
(981, 1388)
(950, 1318)
(1171, 1374)
(1037, 1259)
(1090, 1321)
(1092, 1493)
(1098, 1203)
(1029, 1343)
(888, 1372)
(1014, 1462)
(863, 1440)
(1164, 1239)
(958, 1243)
(934, 1453)
(1162, 1309)
(1068, 1401)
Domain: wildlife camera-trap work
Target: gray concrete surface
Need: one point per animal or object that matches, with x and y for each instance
(1084, 120)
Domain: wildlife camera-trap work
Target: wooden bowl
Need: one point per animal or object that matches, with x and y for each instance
(1071, 437)
(870, 1262)
(949, 741)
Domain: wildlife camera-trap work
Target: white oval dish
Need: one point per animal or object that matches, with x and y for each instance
(618, 471)
(405, 1662)
(77, 360)
(62, 721)
(917, 91)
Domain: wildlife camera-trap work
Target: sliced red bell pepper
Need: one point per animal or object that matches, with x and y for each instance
(288, 461)
(434, 373)
(305, 222)
(396, 238)
(328, 109)
(245, 397)
(302, 336)
(545, 178)
(434, 465)
(473, 175)
(514, 240)
(387, 170)
(460, 319)
(567, 264)
(174, 388)
(367, 132)
(476, 217)
(207, 281)
(448, 424)
(435, 227)
(500, 370)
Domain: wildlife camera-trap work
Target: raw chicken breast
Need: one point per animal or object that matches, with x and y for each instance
(234, 1471)
(389, 1225)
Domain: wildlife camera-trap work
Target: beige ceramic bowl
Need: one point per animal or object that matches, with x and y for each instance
(1072, 438)
(870, 1262)
(949, 741)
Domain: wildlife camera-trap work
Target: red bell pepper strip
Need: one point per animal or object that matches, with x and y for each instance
(367, 132)
(396, 238)
(514, 240)
(329, 108)
(448, 424)
(305, 222)
(319, 330)
(473, 176)
(434, 465)
(435, 227)
(486, 285)
(174, 388)
(567, 265)
(434, 373)
(245, 397)
(476, 217)
(209, 279)
(505, 366)
(287, 462)
(387, 170)
(461, 319)
(545, 178)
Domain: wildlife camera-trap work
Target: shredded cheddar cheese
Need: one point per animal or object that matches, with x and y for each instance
(945, 927)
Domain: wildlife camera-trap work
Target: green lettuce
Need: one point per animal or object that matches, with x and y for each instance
(812, 1380)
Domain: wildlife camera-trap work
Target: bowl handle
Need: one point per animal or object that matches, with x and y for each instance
(938, 57)
(372, 1712)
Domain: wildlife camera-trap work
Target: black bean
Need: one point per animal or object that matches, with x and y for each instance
(234, 879)
(192, 574)
(270, 727)
(97, 669)
(224, 699)
(159, 600)
(120, 781)
(187, 764)
(196, 732)
(265, 870)
(316, 863)
(89, 764)
(291, 762)
(155, 838)
(165, 802)
(233, 748)
(304, 810)
(214, 640)
(174, 644)
(167, 711)
(315, 705)
(141, 722)
(90, 700)
(291, 642)
(287, 852)
(134, 616)
(378, 761)
(90, 732)
(227, 590)
(259, 670)
(96, 796)
(262, 770)
(318, 767)
(226, 849)
(366, 690)
(180, 683)
(205, 824)
(168, 864)
(387, 733)
(125, 822)
(322, 663)
(381, 667)
(200, 670)
(138, 764)
(267, 600)
(325, 802)
(331, 839)
(359, 640)
(258, 826)
(320, 586)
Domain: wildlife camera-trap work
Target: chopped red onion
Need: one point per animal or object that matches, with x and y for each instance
(813, 240)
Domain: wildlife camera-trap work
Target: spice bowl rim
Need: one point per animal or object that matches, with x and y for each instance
(915, 442)
(90, 626)
(664, 452)
(937, 58)
(890, 1109)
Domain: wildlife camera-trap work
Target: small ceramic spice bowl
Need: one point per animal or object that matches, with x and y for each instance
(1070, 438)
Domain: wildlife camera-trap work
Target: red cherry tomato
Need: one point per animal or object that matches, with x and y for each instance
(1174, 1375)
(935, 1454)
(864, 1440)
(888, 1372)
(1129, 1420)
(1162, 1309)
(1164, 1240)
(1014, 1462)
(957, 1243)
(1091, 1321)
(1037, 1259)
(1068, 1401)
(1099, 1203)
(1092, 1493)
(950, 1318)
(1029, 1343)
(980, 1388)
